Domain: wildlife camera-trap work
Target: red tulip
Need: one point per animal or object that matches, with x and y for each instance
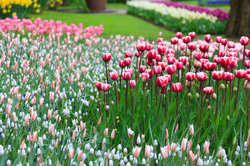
(232, 61)
(218, 75)
(106, 57)
(224, 61)
(171, 60)
(230, 44)
(129, 70)
(204, 47)
(132, 84)
(126, 75)
(142, 69)
(146, 76)
(232, 54)
(141, 47)
(113, 75)
(247, 63)
(170, 55)
(247, 77)
(228, 76)
(160, 40)
(224, 42)
(218, 39)
(201, 76)
(197, 64)
(191, 46)
(197, 56)
(190, 76)
(183, 59)
(158, 57)
(162, 82)
(170, 51)
(208, 38)
(157, 69)
(178, 34)
(171, 69)
(149, 72)
(244, 40)
(208, 90)
(222, 53)
(192, 34)
(247, 85)
(128, 54)
(210, 66)
(152, 54)
(151, 62)
(168, 77)
(174, 40)
(127, 61)
(161, 50)
(186, 39)
(240, 73)
(163, 65)
(122, 64)
(177, 87)
(179, 65)
(98, 85)
(149, 47)
(104, 87)
(247, 53)
(217, 60)
(137, 54)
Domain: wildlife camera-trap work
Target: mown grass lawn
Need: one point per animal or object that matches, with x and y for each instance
(115, 24)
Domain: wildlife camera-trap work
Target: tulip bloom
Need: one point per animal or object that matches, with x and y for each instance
(106, 57)
(177, 87)
(113, 75)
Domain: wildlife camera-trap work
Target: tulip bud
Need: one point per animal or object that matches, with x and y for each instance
(222, 86)
(235, 89)
(190, 95)
(209, 107)
(214, 96)
(197, 95)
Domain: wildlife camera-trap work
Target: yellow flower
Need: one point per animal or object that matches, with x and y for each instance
(35, 5)
(4, 11)
(37, 10)
(9, 6)
(13, 14)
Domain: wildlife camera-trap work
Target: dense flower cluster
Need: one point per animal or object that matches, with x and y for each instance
(9, 8)
(178, 19)
(48, 26)
(220, 14)
(66, 100)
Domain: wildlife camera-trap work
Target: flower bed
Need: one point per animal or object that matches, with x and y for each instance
(65, 100)
(176, 18)
(220, 14)
(48, 26)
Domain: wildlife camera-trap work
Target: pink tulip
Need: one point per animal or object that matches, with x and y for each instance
(244, 40)
(132, 84)
(113, 134)
(51, 96)
(184, 144)
(178, 35)
(113, 75)
(137, 151)
(71, 153)
(106, 57)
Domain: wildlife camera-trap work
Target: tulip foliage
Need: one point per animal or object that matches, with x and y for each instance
(69, 100)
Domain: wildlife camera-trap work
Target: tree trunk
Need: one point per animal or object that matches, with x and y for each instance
(239, 19)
